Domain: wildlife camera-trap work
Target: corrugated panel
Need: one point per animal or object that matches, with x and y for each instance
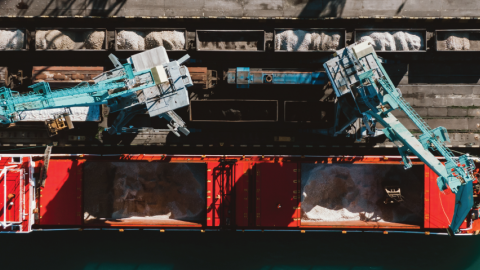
(224, 183)
(426, 195)
(242, 192)
(212, 210)
(61, 199)
(277, 195)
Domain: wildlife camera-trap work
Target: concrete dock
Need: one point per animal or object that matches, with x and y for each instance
(243, 8)
(442, 86)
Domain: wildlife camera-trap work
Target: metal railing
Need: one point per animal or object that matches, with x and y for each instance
(5, 223)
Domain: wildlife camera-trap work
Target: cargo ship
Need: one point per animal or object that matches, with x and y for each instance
(218, 193)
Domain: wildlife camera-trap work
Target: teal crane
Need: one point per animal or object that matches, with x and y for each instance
(358, 77)
(161, 84)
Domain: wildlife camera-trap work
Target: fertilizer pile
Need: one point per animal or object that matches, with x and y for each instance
(54, 40)
(131, 40)
(11, 39)
(94, 40)
(171, 40)
(137, 40)
(356, 193)
(458, 42)
(301, 40)
(398, 41)
(68, 40)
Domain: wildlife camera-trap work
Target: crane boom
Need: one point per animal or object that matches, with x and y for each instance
(358, 77)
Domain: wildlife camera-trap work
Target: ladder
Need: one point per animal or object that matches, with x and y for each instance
(46, 160)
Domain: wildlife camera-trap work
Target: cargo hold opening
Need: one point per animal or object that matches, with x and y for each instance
(353, 196)
(144, 193)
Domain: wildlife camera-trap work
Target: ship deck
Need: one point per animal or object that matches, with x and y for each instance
(240, 193)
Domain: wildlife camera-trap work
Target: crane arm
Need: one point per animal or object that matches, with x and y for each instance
(81, 95)
(396, 132)
(358, 77)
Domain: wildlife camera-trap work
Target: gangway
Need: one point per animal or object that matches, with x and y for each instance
(7, 196)
(46, 161)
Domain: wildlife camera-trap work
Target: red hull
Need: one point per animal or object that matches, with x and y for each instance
(238, 192)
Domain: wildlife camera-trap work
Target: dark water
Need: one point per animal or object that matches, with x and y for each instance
(144, 250)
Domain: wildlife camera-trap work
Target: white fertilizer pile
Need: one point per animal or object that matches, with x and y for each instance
(40, 42)
(54, 40)
(11, 39)
(335, 194)
(137, 40)
(171, 40)
(131, 40)
(458, 42)
(94, 40)
(65, 40)
(398, 41)
(301, 40)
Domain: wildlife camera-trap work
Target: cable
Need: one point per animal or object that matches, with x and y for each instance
(457, 152)
(463, 153)
(441, 204)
